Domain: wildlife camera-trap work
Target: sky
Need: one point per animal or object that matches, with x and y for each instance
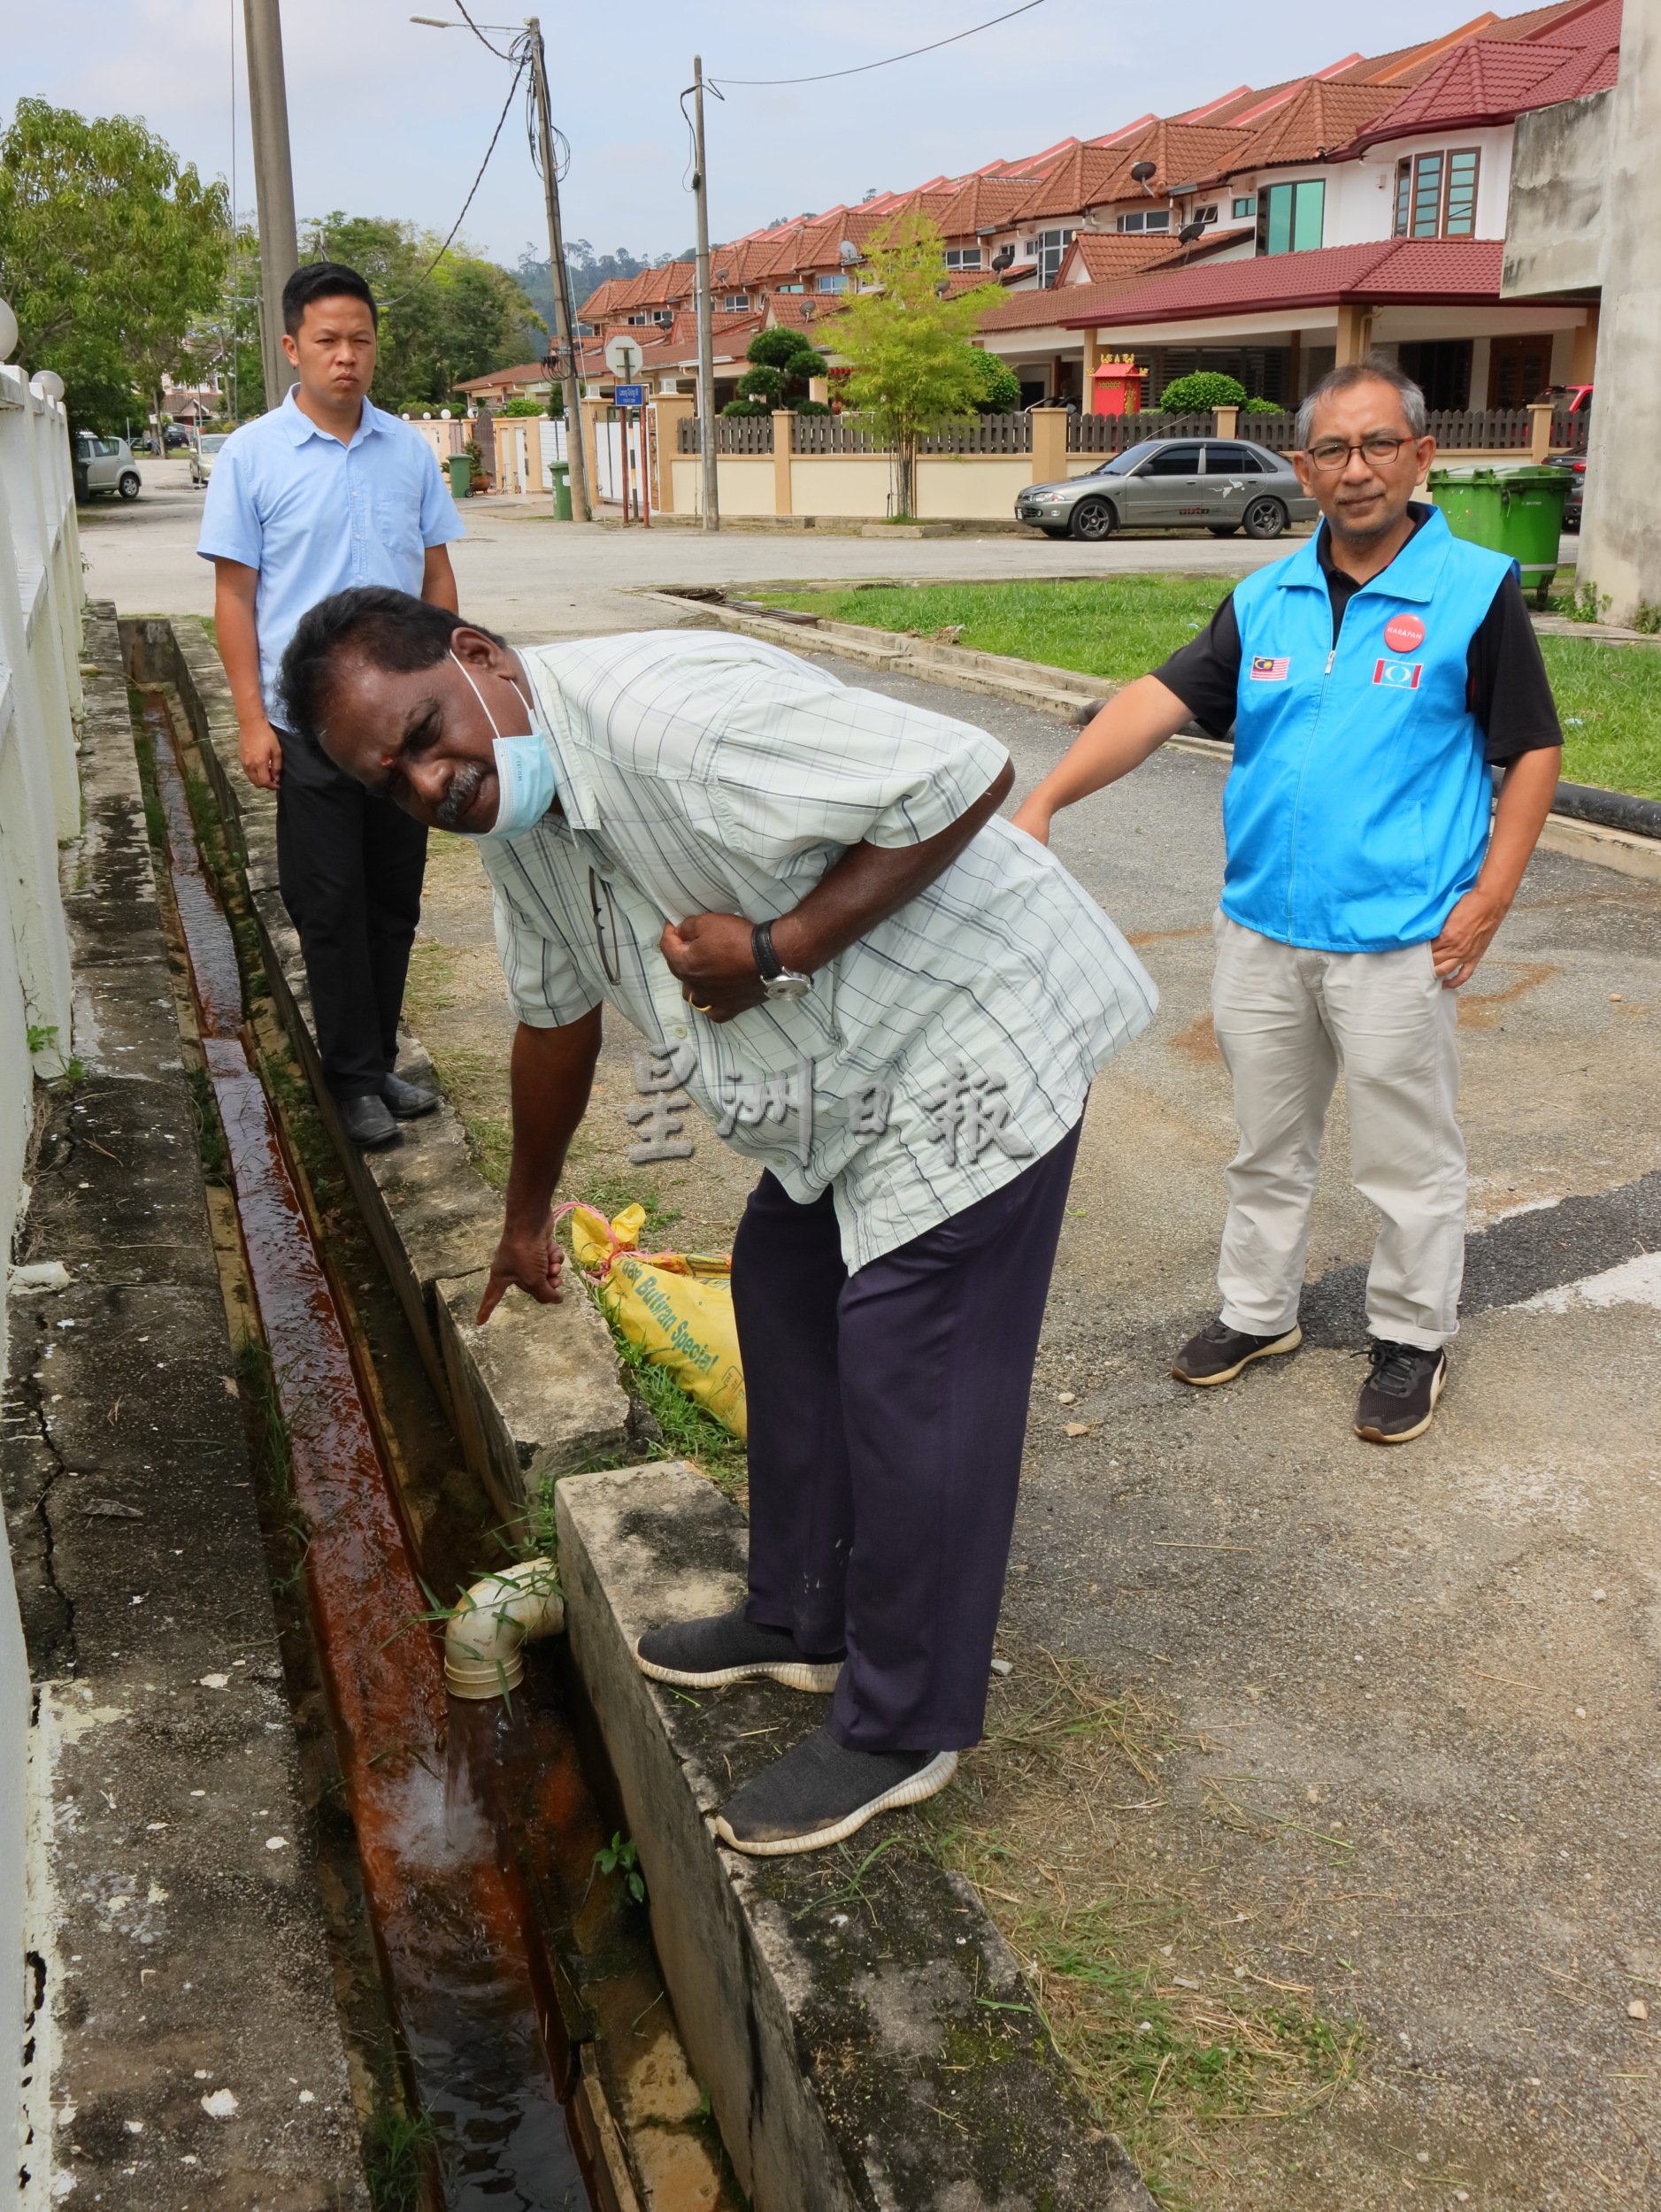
(387, 118)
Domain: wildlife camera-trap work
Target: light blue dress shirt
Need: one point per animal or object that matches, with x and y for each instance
(314, 516)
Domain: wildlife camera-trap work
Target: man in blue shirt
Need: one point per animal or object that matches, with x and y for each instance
(324, 491)
(1374, 679)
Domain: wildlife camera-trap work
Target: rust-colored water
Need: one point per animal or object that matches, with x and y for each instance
(450, 1918)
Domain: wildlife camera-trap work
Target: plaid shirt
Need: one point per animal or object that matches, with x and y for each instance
(936, 1057)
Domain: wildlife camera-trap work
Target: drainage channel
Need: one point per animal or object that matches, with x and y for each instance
(459, 1815)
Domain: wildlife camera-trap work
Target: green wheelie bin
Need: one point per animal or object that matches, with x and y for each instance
(1513, 508)
(560, 473)
(461, 467)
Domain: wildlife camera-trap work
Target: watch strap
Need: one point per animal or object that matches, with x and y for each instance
(768, 964)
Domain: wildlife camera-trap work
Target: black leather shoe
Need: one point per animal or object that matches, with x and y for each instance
(408, 1100)
(821, 1793)
(367, 1123)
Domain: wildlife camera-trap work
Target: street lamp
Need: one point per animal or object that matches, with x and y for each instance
(527, 48)
(8, 332)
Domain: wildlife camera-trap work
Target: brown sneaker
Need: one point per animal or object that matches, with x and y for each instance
(1398, 1399)
(1217, 1353)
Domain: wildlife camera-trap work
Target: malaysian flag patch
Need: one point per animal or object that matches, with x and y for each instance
(1268, 672)
(1399, 675)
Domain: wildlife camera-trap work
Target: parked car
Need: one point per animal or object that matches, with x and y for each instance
(105, 464)
(1574, 466)
(1218, 484)
(202, 455)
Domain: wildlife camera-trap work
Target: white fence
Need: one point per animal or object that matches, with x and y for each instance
(39, 808)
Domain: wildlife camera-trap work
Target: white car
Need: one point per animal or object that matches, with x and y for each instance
(105, 464)
(202, 453)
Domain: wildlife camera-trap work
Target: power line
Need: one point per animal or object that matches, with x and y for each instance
(472, 188)
(479, 35)
(825, 75)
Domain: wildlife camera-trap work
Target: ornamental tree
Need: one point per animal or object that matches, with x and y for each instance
(906, 334)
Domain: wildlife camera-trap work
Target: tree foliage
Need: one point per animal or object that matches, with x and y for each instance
(783, 363)
(908, 340)
(112, 250)
(464, 318)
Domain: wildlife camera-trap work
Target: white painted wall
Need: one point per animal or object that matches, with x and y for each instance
(40, 807)
(1361, 194)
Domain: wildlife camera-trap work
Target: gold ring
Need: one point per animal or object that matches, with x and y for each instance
(699, 1009)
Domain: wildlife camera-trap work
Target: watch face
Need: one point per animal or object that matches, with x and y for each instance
(788, 986)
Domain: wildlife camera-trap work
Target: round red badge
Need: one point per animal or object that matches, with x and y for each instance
(1402, 631)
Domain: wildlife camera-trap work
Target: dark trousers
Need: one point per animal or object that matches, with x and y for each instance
(349, 869)
(887, 1410)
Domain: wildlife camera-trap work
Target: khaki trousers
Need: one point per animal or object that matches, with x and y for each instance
(1287, 1021)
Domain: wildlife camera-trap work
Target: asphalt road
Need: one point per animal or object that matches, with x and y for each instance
(1446, 1656)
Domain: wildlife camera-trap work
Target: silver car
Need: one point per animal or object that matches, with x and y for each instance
(203, 452)
(105, 464)
(1217, 484)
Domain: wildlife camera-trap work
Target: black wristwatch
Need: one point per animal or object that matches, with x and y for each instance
(777, 981)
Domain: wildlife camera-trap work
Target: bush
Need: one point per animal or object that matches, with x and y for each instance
(1199, 394)
(520, 405)
(1001, 388)
(1267, 407)
(787, 351)
(738, 407)
(764, 384)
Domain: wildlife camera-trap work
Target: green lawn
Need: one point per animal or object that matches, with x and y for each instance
(1120, 626)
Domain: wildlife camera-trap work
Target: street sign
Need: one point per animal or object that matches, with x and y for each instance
(629, 396)
(623, 355)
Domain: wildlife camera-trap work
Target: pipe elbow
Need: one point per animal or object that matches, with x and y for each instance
(503, 1611)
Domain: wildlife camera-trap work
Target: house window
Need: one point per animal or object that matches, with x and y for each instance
(1206, 214)
(837, 282)
(1435, 195)
(664, 315)
(737, 303)
(1046, 247)
(962, 257)
(793, 287)
(1248, 206)
(1290, 217)
(1146, 218)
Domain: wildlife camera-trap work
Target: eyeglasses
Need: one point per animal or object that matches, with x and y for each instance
(1329, 455)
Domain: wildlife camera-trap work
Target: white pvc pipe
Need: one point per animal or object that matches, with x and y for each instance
(507, 1610)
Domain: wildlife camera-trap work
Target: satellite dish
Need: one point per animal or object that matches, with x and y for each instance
(1005, 258)
(1141, 170)
(849, 251)
(1190, 232)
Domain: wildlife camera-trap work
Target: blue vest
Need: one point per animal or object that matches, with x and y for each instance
(1357, 811)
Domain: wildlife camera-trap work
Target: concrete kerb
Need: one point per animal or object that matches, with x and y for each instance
(866, 2035)
(1607, 843)
(535, 1393)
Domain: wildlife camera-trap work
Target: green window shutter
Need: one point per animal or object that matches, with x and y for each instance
(1460, 220)
(1427, 195)
(1403, 197)
(1309, 208)
(1279, 234)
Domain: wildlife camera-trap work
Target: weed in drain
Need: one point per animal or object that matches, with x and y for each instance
(212, 1148)
(621, 1856)
(257, 1379)
(398, 2149)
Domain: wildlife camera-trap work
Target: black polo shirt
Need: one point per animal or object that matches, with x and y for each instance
(1507, 688)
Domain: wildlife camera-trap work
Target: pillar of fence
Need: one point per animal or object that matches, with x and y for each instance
(671, 409)
(783, 446)
(1050, 444)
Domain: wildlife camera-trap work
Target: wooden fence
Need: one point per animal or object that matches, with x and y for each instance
(1116, 434)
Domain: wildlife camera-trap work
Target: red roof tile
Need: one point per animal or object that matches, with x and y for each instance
(981, 203)
(1493, 80)
(1104, 256)
(1425, 270)
(1314, 123)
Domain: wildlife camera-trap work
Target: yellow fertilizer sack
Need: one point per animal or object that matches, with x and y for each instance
(676, 1306)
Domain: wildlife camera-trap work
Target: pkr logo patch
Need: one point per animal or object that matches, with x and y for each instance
(1399, 675)
(1265, 671)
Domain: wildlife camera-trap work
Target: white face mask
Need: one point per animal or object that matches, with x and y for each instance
(526, 784)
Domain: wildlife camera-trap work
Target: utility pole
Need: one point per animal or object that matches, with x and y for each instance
(564, 322)
(706, 311)
(274, 185)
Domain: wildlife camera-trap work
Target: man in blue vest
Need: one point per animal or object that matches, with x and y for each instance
(1374, 679)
